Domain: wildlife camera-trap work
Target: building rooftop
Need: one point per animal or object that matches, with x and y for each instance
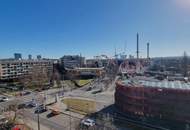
(141, 81)
(20, 61)
(80, 69)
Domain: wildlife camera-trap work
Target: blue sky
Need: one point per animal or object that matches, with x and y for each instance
(54, 28)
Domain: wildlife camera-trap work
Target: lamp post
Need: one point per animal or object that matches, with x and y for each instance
(38, 121)
(69, 111)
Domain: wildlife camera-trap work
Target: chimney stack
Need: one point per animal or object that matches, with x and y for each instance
(148, 45)
(137, 46)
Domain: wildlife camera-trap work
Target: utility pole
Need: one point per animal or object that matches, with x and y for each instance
(69, 116)
(38, 121)
(69, 113)
(38, 116)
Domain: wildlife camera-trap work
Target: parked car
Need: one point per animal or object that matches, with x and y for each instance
(4, 99)
(40, 109)
(25, 93)
(13, 88)
(38, 90)
(51, 115)
(88, 122)
(55, 112)
(46, 88)
(1, 100)
(31, 104)
(21, 106)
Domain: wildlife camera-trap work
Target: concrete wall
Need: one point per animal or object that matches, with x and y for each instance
(80, 105)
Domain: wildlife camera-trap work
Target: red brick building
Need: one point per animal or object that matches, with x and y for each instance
(149, 98)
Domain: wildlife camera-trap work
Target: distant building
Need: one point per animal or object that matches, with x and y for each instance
(39, 57)
(17, 56)
(13, 69)
(97, 62)
(131, 57)
(30, 57)
(123, 57)
(72, 61)
(83, 73)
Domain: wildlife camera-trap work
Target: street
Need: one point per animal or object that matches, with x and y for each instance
(65, 120)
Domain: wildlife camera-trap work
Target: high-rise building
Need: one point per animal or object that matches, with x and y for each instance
(39, 57)
(30, 57)
(17, 56)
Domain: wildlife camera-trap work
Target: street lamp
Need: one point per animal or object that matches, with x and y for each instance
(38, 120)
(69, 115)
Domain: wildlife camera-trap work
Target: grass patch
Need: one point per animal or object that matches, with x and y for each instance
(82, 106)
(81, 83)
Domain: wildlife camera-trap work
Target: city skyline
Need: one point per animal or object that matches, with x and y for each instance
(95, 64)
(57, 28)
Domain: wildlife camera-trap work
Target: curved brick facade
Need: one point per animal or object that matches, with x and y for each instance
(155, 103)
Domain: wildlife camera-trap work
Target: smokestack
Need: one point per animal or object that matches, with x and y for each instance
(148, 45)
(148, 50)
(137, 46)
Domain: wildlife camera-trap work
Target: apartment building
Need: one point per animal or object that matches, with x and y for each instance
(13, 69)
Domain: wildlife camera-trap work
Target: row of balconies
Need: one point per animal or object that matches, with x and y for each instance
(17, 69)
(4, 66)
(8, 77)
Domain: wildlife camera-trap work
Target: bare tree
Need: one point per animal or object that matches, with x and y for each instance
(57, 77)
(26, 81)
(12, 115)
(37, 77)
(40, 76)
(112, 69)
(14, 108)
